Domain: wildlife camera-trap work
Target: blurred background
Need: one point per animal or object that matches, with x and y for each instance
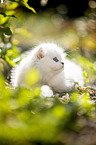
(70, 23)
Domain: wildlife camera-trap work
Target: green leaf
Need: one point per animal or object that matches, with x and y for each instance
(3, 19)
(5, 30)
(24, 2)
(12, 5)
(30, 8)
(9, 61)
(3, 14)
(7, 15)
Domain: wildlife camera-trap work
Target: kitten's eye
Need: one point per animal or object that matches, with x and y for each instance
(55, 59)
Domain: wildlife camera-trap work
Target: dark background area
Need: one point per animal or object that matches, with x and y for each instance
(76, 8)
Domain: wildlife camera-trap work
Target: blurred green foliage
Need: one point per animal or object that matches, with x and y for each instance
(7, 46)
(26, 116)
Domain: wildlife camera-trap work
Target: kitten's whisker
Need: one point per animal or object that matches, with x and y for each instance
(68, 55)
(66, 51)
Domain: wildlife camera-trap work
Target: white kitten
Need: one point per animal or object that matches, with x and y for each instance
(55, 69)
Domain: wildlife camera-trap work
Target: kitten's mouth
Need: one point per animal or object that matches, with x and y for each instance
(59, 70)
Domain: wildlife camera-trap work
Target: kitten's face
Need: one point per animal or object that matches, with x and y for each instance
(50, 59)
(54, 62)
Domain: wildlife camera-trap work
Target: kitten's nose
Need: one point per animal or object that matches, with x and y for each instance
(62, 63)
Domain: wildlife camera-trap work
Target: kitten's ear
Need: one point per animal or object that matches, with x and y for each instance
(40, 53)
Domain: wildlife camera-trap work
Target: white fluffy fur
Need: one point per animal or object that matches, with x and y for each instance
(58, 76)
